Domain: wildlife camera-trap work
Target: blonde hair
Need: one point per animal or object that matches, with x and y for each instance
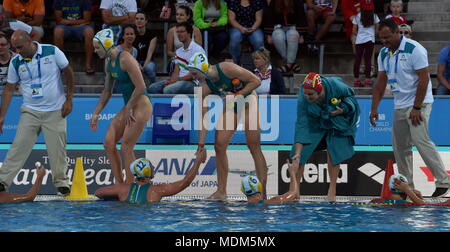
(262, 53)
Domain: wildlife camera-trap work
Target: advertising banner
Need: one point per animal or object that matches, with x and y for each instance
(277, 116)
(362, 175)
(96, 166)
(171, 166)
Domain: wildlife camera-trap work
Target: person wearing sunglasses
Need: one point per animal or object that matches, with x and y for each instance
(405, 30)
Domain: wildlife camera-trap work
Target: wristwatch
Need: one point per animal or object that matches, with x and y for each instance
(416, 107)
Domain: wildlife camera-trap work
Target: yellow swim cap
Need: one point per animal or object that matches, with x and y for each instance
(142, 168)
(199, 62)
(106, 38)
(251, 185)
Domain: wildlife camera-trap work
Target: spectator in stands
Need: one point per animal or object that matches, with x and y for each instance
(245, 18)
(145, 44)
(226, 57)
(405, 30)
(365, 24)
(5, 58)
(443, 72)
(73, 19)
(116, 13)
(181, 81)
(396, 7)
(127, 40)
(31, 12)
(285, 16)
(322, 10)
(349, 10)
(212, 16)
(271, 79)
(183, 14)
(8, 26)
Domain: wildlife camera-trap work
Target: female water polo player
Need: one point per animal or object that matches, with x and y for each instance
(31, 194)
(142, 190)
(129, 123)
(227, 79)
(399, 187)
(252, 188)
(327, 113)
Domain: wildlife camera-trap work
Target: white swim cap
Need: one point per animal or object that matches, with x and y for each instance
(392, 182)
(106, 38)
(142, 168)
(199, 62)
(251, 185)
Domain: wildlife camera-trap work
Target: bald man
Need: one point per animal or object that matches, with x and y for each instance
(37, 70)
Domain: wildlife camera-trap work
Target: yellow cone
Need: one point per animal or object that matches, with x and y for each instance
(79, 188)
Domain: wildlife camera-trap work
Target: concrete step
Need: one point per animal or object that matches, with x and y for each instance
(347, 78)
(426, 7)
(428, 26)
(431, 35)
(429, 17)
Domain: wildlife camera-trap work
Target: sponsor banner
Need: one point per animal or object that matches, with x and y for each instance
(424, 180)
(96, 166)
(362, 175)
(277, 120)
(171, 166)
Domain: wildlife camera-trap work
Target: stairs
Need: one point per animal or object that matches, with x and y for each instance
(431, 28)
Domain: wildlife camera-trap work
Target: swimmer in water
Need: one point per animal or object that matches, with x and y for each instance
(252, 188)
(398, 184)
(142, 190)
(30, 195)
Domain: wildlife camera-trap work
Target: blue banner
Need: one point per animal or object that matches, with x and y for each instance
(277, 117)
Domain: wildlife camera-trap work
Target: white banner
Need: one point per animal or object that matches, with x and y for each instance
(171, 166)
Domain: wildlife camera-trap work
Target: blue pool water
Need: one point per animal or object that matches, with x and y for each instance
(215, 216)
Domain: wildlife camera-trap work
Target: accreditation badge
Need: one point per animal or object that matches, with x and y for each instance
(36, 91)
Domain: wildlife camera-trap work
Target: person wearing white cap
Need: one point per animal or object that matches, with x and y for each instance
(252, 188)
(122, 69)
(231, 82)
(142, 190)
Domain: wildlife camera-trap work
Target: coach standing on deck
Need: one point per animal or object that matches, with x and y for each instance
(37, 69)
(403, 64)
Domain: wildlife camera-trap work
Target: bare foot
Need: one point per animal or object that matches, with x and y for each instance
(218, 196)
(331, 196)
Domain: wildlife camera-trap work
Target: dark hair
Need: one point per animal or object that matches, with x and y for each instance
(4, 36)
(280, 6)
(392, 25)
(188, 12)
(367, 18)
(132, 26)
(142, 12)
(186, 25)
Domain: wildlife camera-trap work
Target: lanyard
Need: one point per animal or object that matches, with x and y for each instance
(39, 68)
(388, 67)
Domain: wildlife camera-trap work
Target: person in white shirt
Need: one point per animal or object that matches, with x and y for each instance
(116, 13)
(364, 26)
(403, 64)
(181, 81)
(271, 79)
(37, 69)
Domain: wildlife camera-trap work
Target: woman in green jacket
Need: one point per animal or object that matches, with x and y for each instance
(327, 116)
(212, 16)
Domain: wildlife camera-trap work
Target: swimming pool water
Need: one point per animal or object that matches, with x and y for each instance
(218, 217)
